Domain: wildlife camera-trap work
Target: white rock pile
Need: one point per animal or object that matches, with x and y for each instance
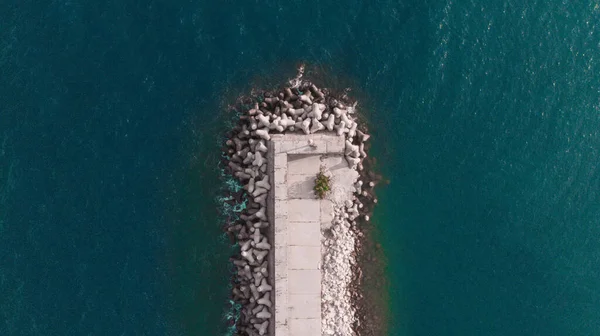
(338, 313)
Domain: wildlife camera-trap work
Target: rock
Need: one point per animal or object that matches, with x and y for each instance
(263, 133)
(234, 166)
(264, 183)
(248, 256)
(260, 255)
(276, 125)
(272, 101)
(257, 309)
(246, 246)
(341, 128)
(260, 225)
(330, 123)
(264, 245)
(315, 91)
(258, 159)
(363, 137)
(260, 146)
(316, 126)
(253, 124)
(304, 125)
(305, 98)
(250, 186)
(347, 121)
(265, 300)
(264, 286)
(254, 291)
(256, 237)
(296, 112)
(352, 161)
(249, 158)
(242, 175)
(350, 149)
(264, 314)
(338, 112)
(263, 121)
(253, 111)
(258, 191)
(361, 150)
(288, 93)
(239, 144)
(262, 327)
(262, 200)
(317, 111)
(352, 130)
(286, 121)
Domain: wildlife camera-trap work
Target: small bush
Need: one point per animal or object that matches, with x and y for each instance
(322, 185)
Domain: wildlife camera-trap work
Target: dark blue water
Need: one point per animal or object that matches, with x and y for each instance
(485, 118)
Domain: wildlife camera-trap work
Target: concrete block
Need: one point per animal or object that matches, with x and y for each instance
(305, 327)
(305, 306)
(302, 164)
(281, 309)
(281, 287)
(279, 175)
(301, 186)
(305, 234)
(280, 265)
(304, 282)
(281, 220)
(275, 146)
(336, 145)
(281, 208)
(330, 135)
(280, 161)
(281, 192)
(333, 162)
(304, 210)
(281, 234)
(281, 329)
(304, 257)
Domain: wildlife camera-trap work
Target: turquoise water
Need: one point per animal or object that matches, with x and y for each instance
(485, 118)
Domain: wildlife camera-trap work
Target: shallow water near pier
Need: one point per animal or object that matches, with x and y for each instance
(485, 120)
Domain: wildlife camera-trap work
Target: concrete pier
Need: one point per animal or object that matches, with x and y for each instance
(297, 217)
(297, 262)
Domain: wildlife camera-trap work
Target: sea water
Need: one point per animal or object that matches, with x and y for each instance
(485, 120)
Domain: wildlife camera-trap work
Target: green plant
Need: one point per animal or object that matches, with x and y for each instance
(322, 184)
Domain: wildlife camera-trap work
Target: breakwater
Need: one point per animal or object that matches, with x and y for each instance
(319, 131)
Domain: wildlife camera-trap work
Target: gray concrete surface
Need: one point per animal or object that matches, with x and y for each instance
(296, 219)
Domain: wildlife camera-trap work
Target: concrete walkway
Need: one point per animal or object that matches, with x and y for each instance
(297, 217)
